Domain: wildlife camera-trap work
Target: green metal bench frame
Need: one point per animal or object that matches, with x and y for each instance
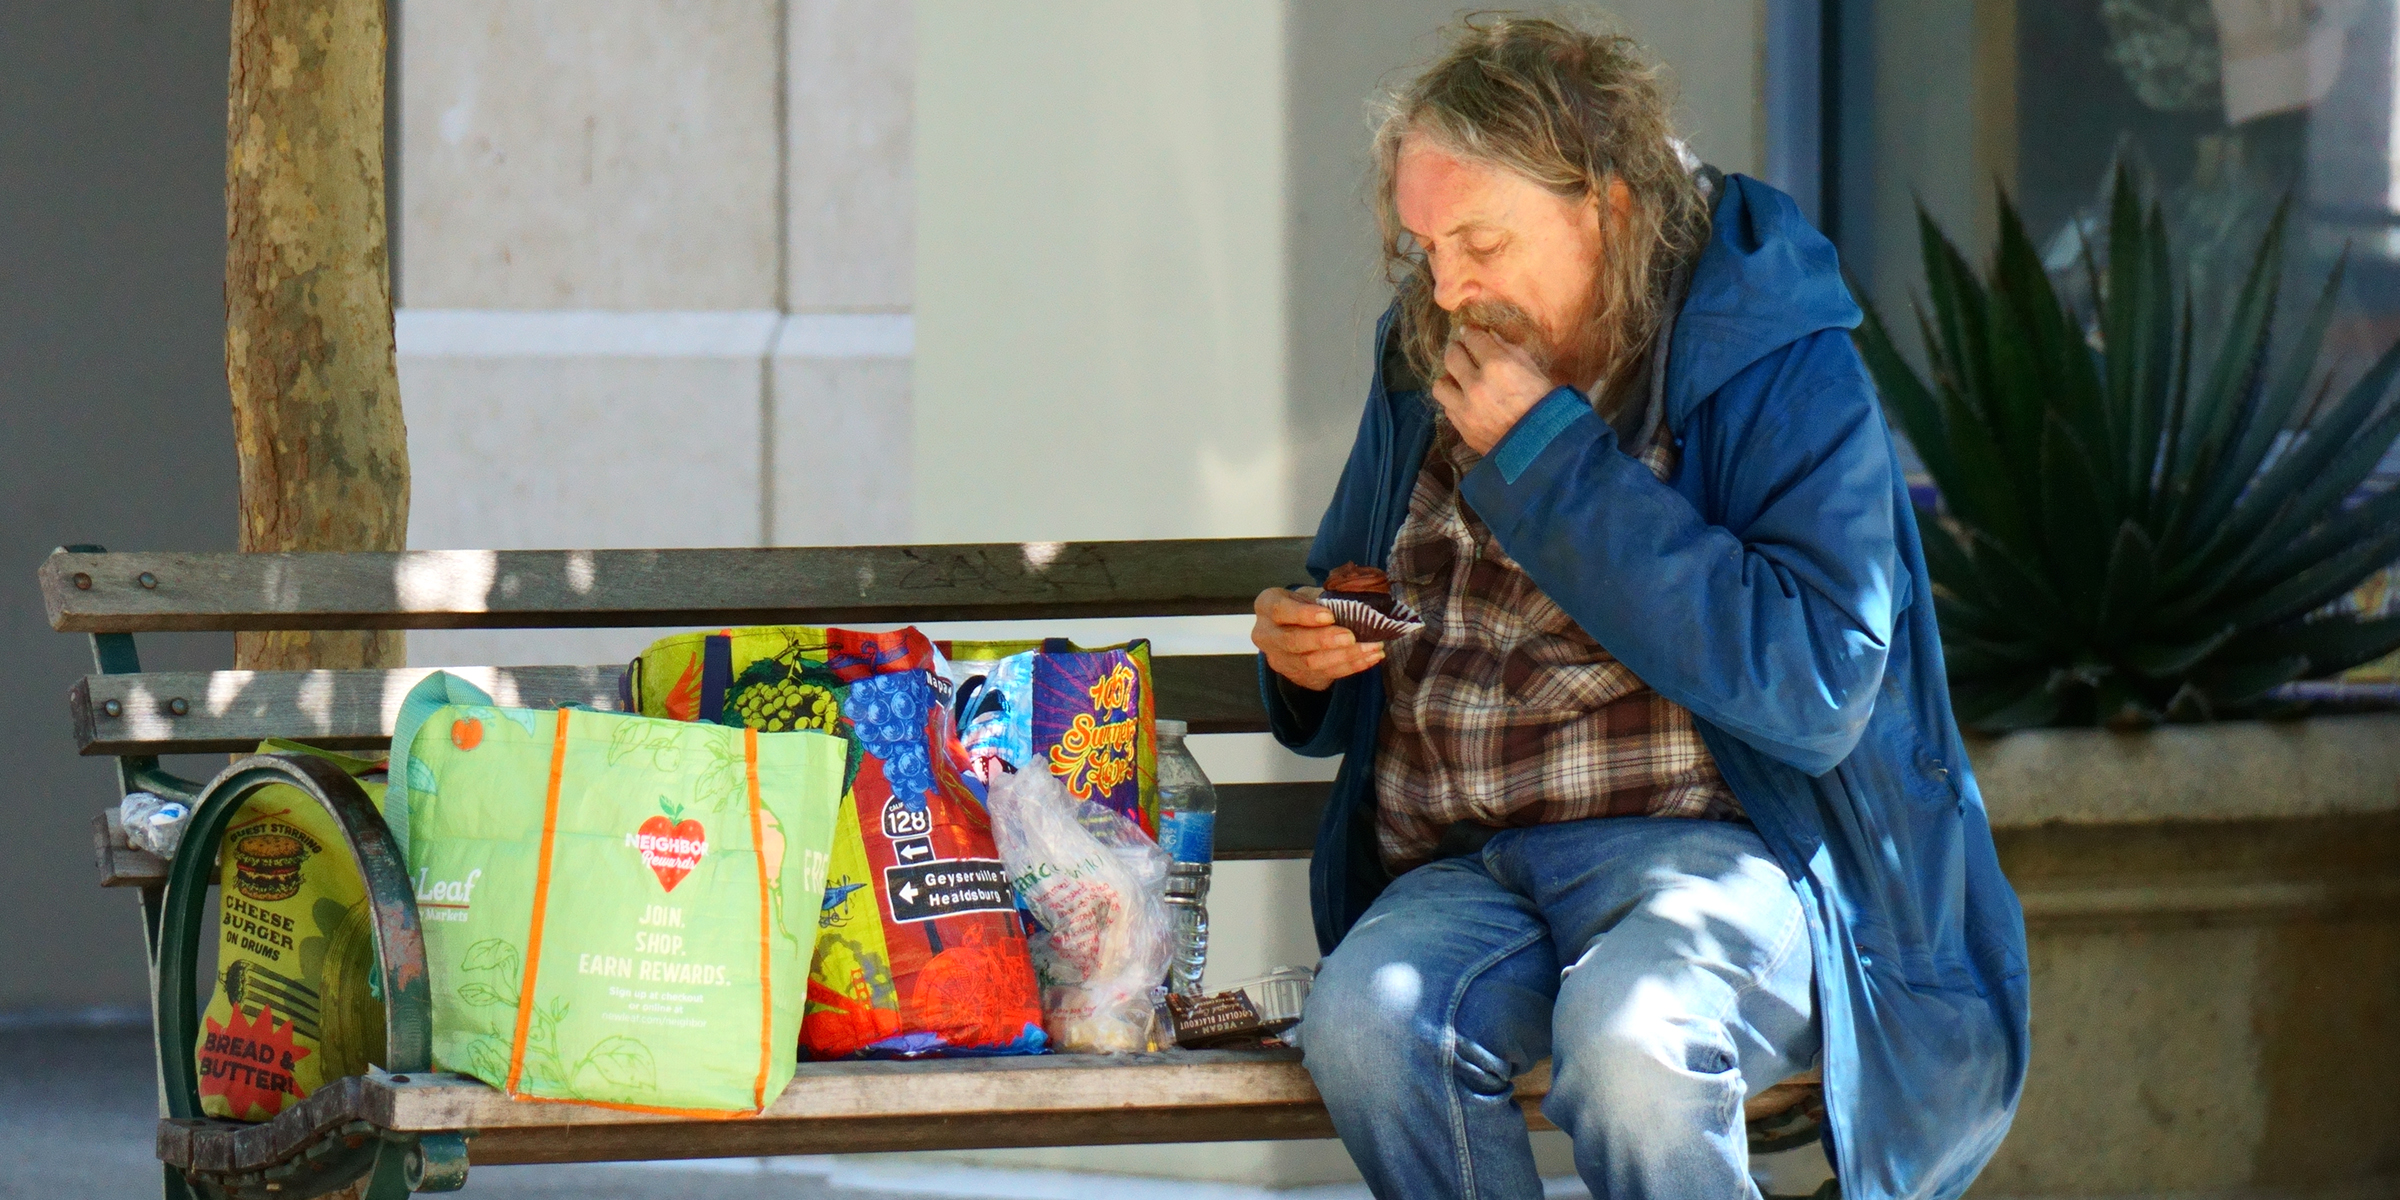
(417, 1162)
(411, 1129)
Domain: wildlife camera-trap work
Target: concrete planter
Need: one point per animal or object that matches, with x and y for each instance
(2214, 915)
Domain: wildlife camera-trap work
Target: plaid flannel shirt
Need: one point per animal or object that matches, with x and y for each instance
(1502, 711)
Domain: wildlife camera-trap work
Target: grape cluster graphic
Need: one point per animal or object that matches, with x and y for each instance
(887, 714)
(772, 697)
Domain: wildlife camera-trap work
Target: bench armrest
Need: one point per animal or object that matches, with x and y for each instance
(399, 945)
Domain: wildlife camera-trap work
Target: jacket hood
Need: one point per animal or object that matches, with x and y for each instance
(1766, 279)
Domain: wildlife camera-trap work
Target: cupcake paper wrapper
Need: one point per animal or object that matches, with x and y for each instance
(1368, 624)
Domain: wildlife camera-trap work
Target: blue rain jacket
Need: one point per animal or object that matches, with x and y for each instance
(1775, 587)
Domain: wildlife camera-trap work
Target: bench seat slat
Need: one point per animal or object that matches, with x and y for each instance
(1028, 1086)
(867, 1135)
(845, 1107)
(517, 589)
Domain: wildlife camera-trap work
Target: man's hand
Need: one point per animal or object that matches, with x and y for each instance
(1491, 384)
(1303, 644)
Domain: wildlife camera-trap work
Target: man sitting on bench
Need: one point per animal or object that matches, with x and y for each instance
(1667, 788)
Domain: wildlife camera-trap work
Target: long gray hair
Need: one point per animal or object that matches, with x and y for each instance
(1574, 111)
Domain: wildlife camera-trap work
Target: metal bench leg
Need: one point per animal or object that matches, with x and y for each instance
(437, 1163)
(116, 654)
(153, 910)
(428, 1162)
(176, 1187)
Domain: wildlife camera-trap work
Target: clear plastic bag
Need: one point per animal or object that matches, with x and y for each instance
(154, 823)
(1094, 882)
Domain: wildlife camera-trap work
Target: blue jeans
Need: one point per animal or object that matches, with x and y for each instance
(1661, 964)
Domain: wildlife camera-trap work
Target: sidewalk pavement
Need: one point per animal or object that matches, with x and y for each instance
(78, 1119)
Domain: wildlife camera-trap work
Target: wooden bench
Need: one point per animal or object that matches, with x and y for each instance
(412, 1129)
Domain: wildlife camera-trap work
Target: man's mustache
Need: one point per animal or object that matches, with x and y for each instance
(1506, 322)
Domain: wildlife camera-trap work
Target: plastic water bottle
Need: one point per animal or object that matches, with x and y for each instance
(1187, 831)
(1187, 907)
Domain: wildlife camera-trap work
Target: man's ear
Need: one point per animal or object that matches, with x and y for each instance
(1618, 210)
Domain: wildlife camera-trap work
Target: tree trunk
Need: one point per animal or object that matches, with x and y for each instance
(308, 304)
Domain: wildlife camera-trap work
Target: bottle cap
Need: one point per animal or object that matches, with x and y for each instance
(1167, 728)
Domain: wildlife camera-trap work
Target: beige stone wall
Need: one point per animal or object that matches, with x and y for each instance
(842, 468)
(824, 271)
(846, 271)
(612, 154)
(1100, 276)
(850, 103)
(656, 268)
(1101, 314)
(1143, 234)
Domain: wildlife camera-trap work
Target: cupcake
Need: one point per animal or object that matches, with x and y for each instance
(1361, 601)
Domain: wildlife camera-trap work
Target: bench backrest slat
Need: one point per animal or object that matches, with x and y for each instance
(231, 711)
(515, 589)
(1270, 820)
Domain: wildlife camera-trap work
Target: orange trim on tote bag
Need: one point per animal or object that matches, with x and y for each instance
(656, 1110)
(766, 932)
(541, 903)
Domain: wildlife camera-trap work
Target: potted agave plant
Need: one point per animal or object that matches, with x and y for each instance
(2141, 521)
(2141, 525)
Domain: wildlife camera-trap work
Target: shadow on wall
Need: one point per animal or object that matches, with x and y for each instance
(114, 422)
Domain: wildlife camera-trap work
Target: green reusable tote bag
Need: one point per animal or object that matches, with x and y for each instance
(617, 910)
